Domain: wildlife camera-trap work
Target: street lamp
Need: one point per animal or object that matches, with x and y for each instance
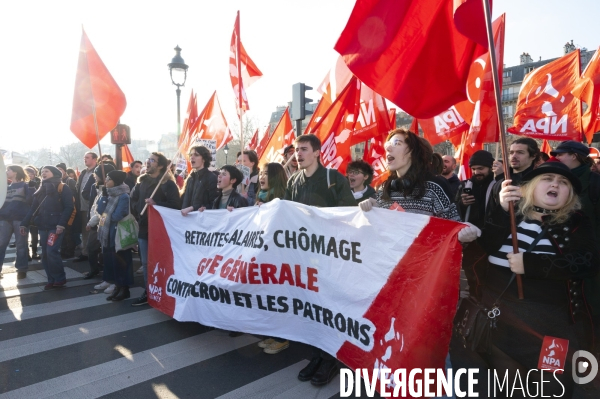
(178, 70)
(226, 150)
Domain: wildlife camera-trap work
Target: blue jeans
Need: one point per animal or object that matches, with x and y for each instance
(51, 259)
(143, 249)
(118, 266)
(6, 231)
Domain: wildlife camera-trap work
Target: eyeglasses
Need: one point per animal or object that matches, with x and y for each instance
(393, 143)
(353, 172)
(151, 160)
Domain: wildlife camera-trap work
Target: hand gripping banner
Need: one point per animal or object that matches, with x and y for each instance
(375, 289)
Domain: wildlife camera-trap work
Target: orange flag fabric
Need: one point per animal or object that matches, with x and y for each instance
(546, 148)
(407, 50)
(375, 156)
(241, 65)
(188, 122)
(96, 92)
(260, 148)
(463, 153)
(546, 109)
(282, 136)
(335, 128)
(587, 89)
(211, 125)
(444, 126)
(373, 118)
(253, 141)
(127, 158)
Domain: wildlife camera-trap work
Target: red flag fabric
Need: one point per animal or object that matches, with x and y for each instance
(126, 157)
(375, 156)
(546, 148)
(546, 109)
(444, 126)
(479, 109)
(248, 70)
(95, 91)
(373, 118)
(412, 51)
(335, 128)
(211, 125)
(282, 136)
(190, 119)
(392, 115)
(253, 141)
(587, 89)
(262, 145)
(463, 153)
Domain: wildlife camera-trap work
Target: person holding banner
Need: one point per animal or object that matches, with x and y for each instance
(114, 206)
(200, 189)
(156, 187)
(318, 186)
(557, 250)
(360, 175)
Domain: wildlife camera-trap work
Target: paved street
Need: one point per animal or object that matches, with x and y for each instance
(68, 343)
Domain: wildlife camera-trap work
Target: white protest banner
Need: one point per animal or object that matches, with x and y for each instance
(375, 289)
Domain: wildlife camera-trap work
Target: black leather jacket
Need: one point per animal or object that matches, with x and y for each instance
(235, 200)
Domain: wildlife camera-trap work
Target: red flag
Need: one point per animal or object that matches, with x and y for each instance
(373, 118)
(375, 156)
(336, 126)
(444, 126)
(282, 136)
(546, 109)
(412, 51)
(190, 119)
(240, 64)
(392, 115)
(95, 92)
(211, 125)
(587, 89)
(262, 145)
(463, 153)
(546, 148)
(479, 109)
(253, 141)
(126, 157)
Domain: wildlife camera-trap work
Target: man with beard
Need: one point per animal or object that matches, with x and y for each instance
(292, 167)
(133, 174)
(449, 175)
(472, 199)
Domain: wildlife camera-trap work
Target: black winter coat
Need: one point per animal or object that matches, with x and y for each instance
(167, 195)
(51, 208)
(235, 200)
(314, 191)
(200, 190)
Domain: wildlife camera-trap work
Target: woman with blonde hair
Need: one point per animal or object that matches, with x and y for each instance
(556, 252)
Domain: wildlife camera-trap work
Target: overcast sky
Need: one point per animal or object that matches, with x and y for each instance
(290, 41)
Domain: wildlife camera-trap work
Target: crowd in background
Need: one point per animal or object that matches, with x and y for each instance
(557, 199)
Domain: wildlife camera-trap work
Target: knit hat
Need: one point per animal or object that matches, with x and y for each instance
(54, 170)
(481, 158)
(117, 176)
(107, 169)
(62, 166)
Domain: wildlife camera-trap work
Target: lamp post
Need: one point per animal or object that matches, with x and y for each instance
(226, 150)
(178, 70)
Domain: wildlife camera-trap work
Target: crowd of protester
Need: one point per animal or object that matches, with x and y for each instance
(556, 197)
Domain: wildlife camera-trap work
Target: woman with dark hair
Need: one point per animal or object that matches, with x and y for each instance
(249, 190)
(557, 250)
(14, 209)
(272, 179)
(200, 189)
(50, 211)
(411, 183)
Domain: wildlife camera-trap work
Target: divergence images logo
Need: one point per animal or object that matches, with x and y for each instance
(584, 362)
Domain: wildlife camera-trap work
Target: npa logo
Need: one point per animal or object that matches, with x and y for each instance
(154, 291)
(550, 124)
(553, 354)
(448, 121)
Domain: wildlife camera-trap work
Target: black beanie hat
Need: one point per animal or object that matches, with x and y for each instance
(118, 176)
(481, 158)
(62, 166)
(107, 169)
(54, 170)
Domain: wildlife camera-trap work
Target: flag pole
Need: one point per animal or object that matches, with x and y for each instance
(239, 71)
(511, 206)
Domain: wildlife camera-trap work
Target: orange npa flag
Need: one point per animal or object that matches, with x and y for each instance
(336, 126)
(96, 92)
(253, 141)
(127, 158)
(240, 64)
(211, 125)
(546, 148)
(282, 136)
(415, 53)
(587, 89)
(546, 109)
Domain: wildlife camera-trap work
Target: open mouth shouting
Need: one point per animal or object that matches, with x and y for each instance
(552, 193)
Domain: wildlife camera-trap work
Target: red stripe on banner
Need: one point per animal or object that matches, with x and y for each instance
(415, 332)
(160, 264)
